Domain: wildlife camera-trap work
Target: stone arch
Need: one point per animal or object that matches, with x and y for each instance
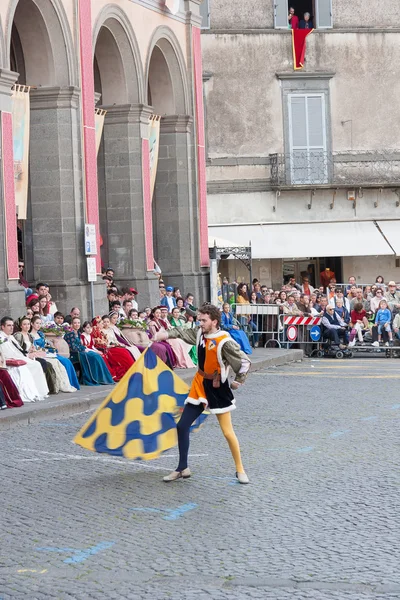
(117, 62)
(42, 24)
(170, 95)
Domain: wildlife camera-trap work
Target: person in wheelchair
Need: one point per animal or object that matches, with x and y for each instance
(333, 328)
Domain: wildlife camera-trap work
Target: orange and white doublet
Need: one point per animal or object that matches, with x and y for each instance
(218, 354)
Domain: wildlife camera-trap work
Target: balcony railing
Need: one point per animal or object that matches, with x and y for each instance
(324, 169)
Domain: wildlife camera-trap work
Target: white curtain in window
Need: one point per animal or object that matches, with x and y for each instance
(323, 9)
(281, 14)
(307, 135)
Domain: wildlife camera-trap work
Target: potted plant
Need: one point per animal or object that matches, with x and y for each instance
(54, 335)
(135, 331)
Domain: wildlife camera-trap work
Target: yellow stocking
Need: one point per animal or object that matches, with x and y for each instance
(225, 422)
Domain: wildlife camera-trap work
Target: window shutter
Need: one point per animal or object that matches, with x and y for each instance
(281, 14)
(323, 9)
(308, 159)
(205, 14)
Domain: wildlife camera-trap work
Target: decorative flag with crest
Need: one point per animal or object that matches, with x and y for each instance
(138, 419)
(299, 47)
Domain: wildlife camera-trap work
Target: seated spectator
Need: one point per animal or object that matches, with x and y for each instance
(177, 320)
(281, 298)
(94, 369)
(112, 296)
(358, 322)
(180, 303)
(304, 304)
(108, 281)
(44, 310)
(382, 321)
(110, 273)
(228, 324)
(257, 290)
(292, 284)
(306, 288)
(342, 312)
(133, 314)
(351, 282)
(393, 297)
(127, 306)
(189, 303)
(66, 379)
(306, 22)
(340, 296)
(21, 280)
(376, 299)
(161, 288)
(168, 301)
(58, 318)
(116, 336)
(117, 358)
(116, 307)
(359, 299)
(29, 377)
(332, 328)
(331, 289)
(290, 307)
(379, 280)
(24, 338)
(396, 326)
(242, 294)
(9, 394)
(177, 293)
(52, 307)
(34, 306)
(372, 292)
(130, 294)
(74, 314)
(159, 322)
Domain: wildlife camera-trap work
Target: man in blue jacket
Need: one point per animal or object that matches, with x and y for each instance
(168, 300)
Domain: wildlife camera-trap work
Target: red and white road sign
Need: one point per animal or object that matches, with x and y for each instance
(291, 333)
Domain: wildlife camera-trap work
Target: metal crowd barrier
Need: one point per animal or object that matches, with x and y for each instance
(260, 322)
(303, 332)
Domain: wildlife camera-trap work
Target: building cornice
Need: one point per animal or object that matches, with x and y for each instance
(54, 97)
(305, 75)
(272, 31)
(158, 6)
(176, 124)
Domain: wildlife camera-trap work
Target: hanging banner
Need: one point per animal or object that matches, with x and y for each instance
(173, 6)
(154, 144)
(21, 124)
(299, 47)
(99, 115)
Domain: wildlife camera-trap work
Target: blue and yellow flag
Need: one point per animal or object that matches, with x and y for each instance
(138, 419)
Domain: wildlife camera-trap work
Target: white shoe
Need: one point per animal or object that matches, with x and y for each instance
(376, 344)
(185, 474)
(387, 344)
(352, 343)
(242, 477)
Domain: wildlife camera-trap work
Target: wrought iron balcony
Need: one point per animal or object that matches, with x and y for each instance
(316, 168)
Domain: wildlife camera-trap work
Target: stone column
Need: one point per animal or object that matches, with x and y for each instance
(12, 296)
(56, 199)
(175, 208)
(122, 218)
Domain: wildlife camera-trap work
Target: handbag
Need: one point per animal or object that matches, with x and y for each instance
(15, 362)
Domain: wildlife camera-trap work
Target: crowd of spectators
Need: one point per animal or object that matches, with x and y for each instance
(350, 314)
(46, 352)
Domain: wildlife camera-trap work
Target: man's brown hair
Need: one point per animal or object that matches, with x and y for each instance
(212, 311)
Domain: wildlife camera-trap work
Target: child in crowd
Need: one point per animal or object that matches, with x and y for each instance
(382, 320)
(358, 322)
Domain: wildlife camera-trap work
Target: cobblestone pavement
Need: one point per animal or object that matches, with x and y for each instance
(320, 519)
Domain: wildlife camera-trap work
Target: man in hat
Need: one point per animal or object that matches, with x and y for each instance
(169, 300)
(393, 297)
(129, 293)
(218, 354)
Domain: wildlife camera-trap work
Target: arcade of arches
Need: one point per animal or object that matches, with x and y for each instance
(131, 84)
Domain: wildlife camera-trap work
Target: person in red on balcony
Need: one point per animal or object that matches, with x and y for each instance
(293, 21)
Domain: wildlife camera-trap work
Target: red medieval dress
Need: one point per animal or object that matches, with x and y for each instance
(10, 391)
(118, 360)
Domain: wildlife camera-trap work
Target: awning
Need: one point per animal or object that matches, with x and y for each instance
(391, 231)
(221, 242)
(358, 238)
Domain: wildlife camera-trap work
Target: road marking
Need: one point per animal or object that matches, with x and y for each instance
(317, 375)
(61, 456)
(32, 571)
(337, 434)
(79, 556)
(170, 514)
